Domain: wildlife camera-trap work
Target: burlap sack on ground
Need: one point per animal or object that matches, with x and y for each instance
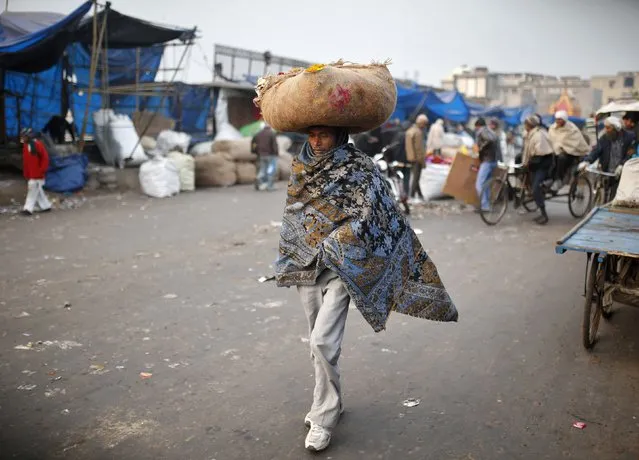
(240, 150)
(353, 96)
(148, 143)
(284, 162)
(214, 170)
(246, 173)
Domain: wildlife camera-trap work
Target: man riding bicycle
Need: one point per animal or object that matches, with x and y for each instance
(612, 150)
(569, 145)
(538, 158)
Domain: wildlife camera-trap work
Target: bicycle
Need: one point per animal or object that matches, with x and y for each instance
(603, 186)
(500, 190)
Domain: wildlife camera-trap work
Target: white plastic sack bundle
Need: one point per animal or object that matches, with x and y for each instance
(186, 169)
(433, 180)
(159, 178)
(203, 148)
(227, 132)
(283, 144)
(171, 141)
(628, 190)
(117, 139)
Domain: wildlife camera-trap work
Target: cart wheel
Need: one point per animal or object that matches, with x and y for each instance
(579, 196)
(592, 304)
(498, 194)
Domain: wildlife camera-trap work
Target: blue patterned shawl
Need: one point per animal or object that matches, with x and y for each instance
(340, 215)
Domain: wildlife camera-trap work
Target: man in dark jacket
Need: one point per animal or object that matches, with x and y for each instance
(613, 149)
(264, 145)
(489, 153)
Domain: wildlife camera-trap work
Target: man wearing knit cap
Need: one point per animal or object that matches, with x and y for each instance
(537, 157)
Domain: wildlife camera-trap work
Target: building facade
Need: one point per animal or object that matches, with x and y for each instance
(624, 85)
(516, 89)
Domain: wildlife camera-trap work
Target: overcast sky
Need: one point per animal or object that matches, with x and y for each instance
(431, 37)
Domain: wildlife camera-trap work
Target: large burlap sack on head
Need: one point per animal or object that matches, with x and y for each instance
(186, 168)
(353, 96)
(240, 149)
(628, 190)
(246, 173)
(284, 163)
(214, 170)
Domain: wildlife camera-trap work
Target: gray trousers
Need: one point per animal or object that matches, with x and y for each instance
(326, 305)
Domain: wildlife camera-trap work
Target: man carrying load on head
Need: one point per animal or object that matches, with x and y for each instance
(343, 238)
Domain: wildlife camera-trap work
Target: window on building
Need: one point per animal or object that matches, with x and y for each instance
(611, 83)
(629, 82)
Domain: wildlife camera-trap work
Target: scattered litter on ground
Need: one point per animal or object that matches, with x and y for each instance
(24, 314)
(72, 202)
(402, 415)
(419, 231)
(388, 350)
(271, 319)
(145, 375)
(98, 369)
(239, 243)
(27, 387)
(26, 334)
(28, 346)
(275, 304)
(67, 305)
(119, 367)
(264, 279)
(28, 372)
(579, 425)
(170, 296)
(54, 392)
(304, 339)
(64, 411)
(411, 402)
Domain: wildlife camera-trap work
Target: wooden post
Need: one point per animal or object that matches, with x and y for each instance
(95, 56)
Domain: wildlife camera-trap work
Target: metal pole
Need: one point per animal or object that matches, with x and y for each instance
(6, 6)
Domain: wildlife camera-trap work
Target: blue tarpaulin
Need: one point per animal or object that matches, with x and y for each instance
(66, 174)
(121, 71)
(33, 42)
(411, 101)
(31, 99)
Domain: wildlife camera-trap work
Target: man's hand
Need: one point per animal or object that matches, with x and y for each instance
(582, 166)
(618, 170)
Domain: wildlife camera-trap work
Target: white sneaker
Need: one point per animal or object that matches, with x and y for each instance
(318, 438)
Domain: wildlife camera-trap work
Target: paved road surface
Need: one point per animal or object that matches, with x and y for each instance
(169, 288)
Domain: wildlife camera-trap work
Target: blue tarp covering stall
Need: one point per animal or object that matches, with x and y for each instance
(411, 101)
(31, 99)
(122, 67)
(33, 42)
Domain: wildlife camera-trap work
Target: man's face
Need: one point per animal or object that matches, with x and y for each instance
(421, 124)
(322, 140)
(610, 131)
(560, 122)
(628, 123)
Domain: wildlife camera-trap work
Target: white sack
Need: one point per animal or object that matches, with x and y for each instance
(433, 180)
(203, 148)
(186, 169)
(172, 141)
(628, 190)
(159, 178)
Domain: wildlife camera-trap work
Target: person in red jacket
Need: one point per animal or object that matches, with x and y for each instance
(35, 162)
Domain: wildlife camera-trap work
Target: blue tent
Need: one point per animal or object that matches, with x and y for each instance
(33, 42)
(412, 100)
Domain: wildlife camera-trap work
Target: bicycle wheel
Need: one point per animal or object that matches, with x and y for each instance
(579, 196)
(592, 303)
(498, 195)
